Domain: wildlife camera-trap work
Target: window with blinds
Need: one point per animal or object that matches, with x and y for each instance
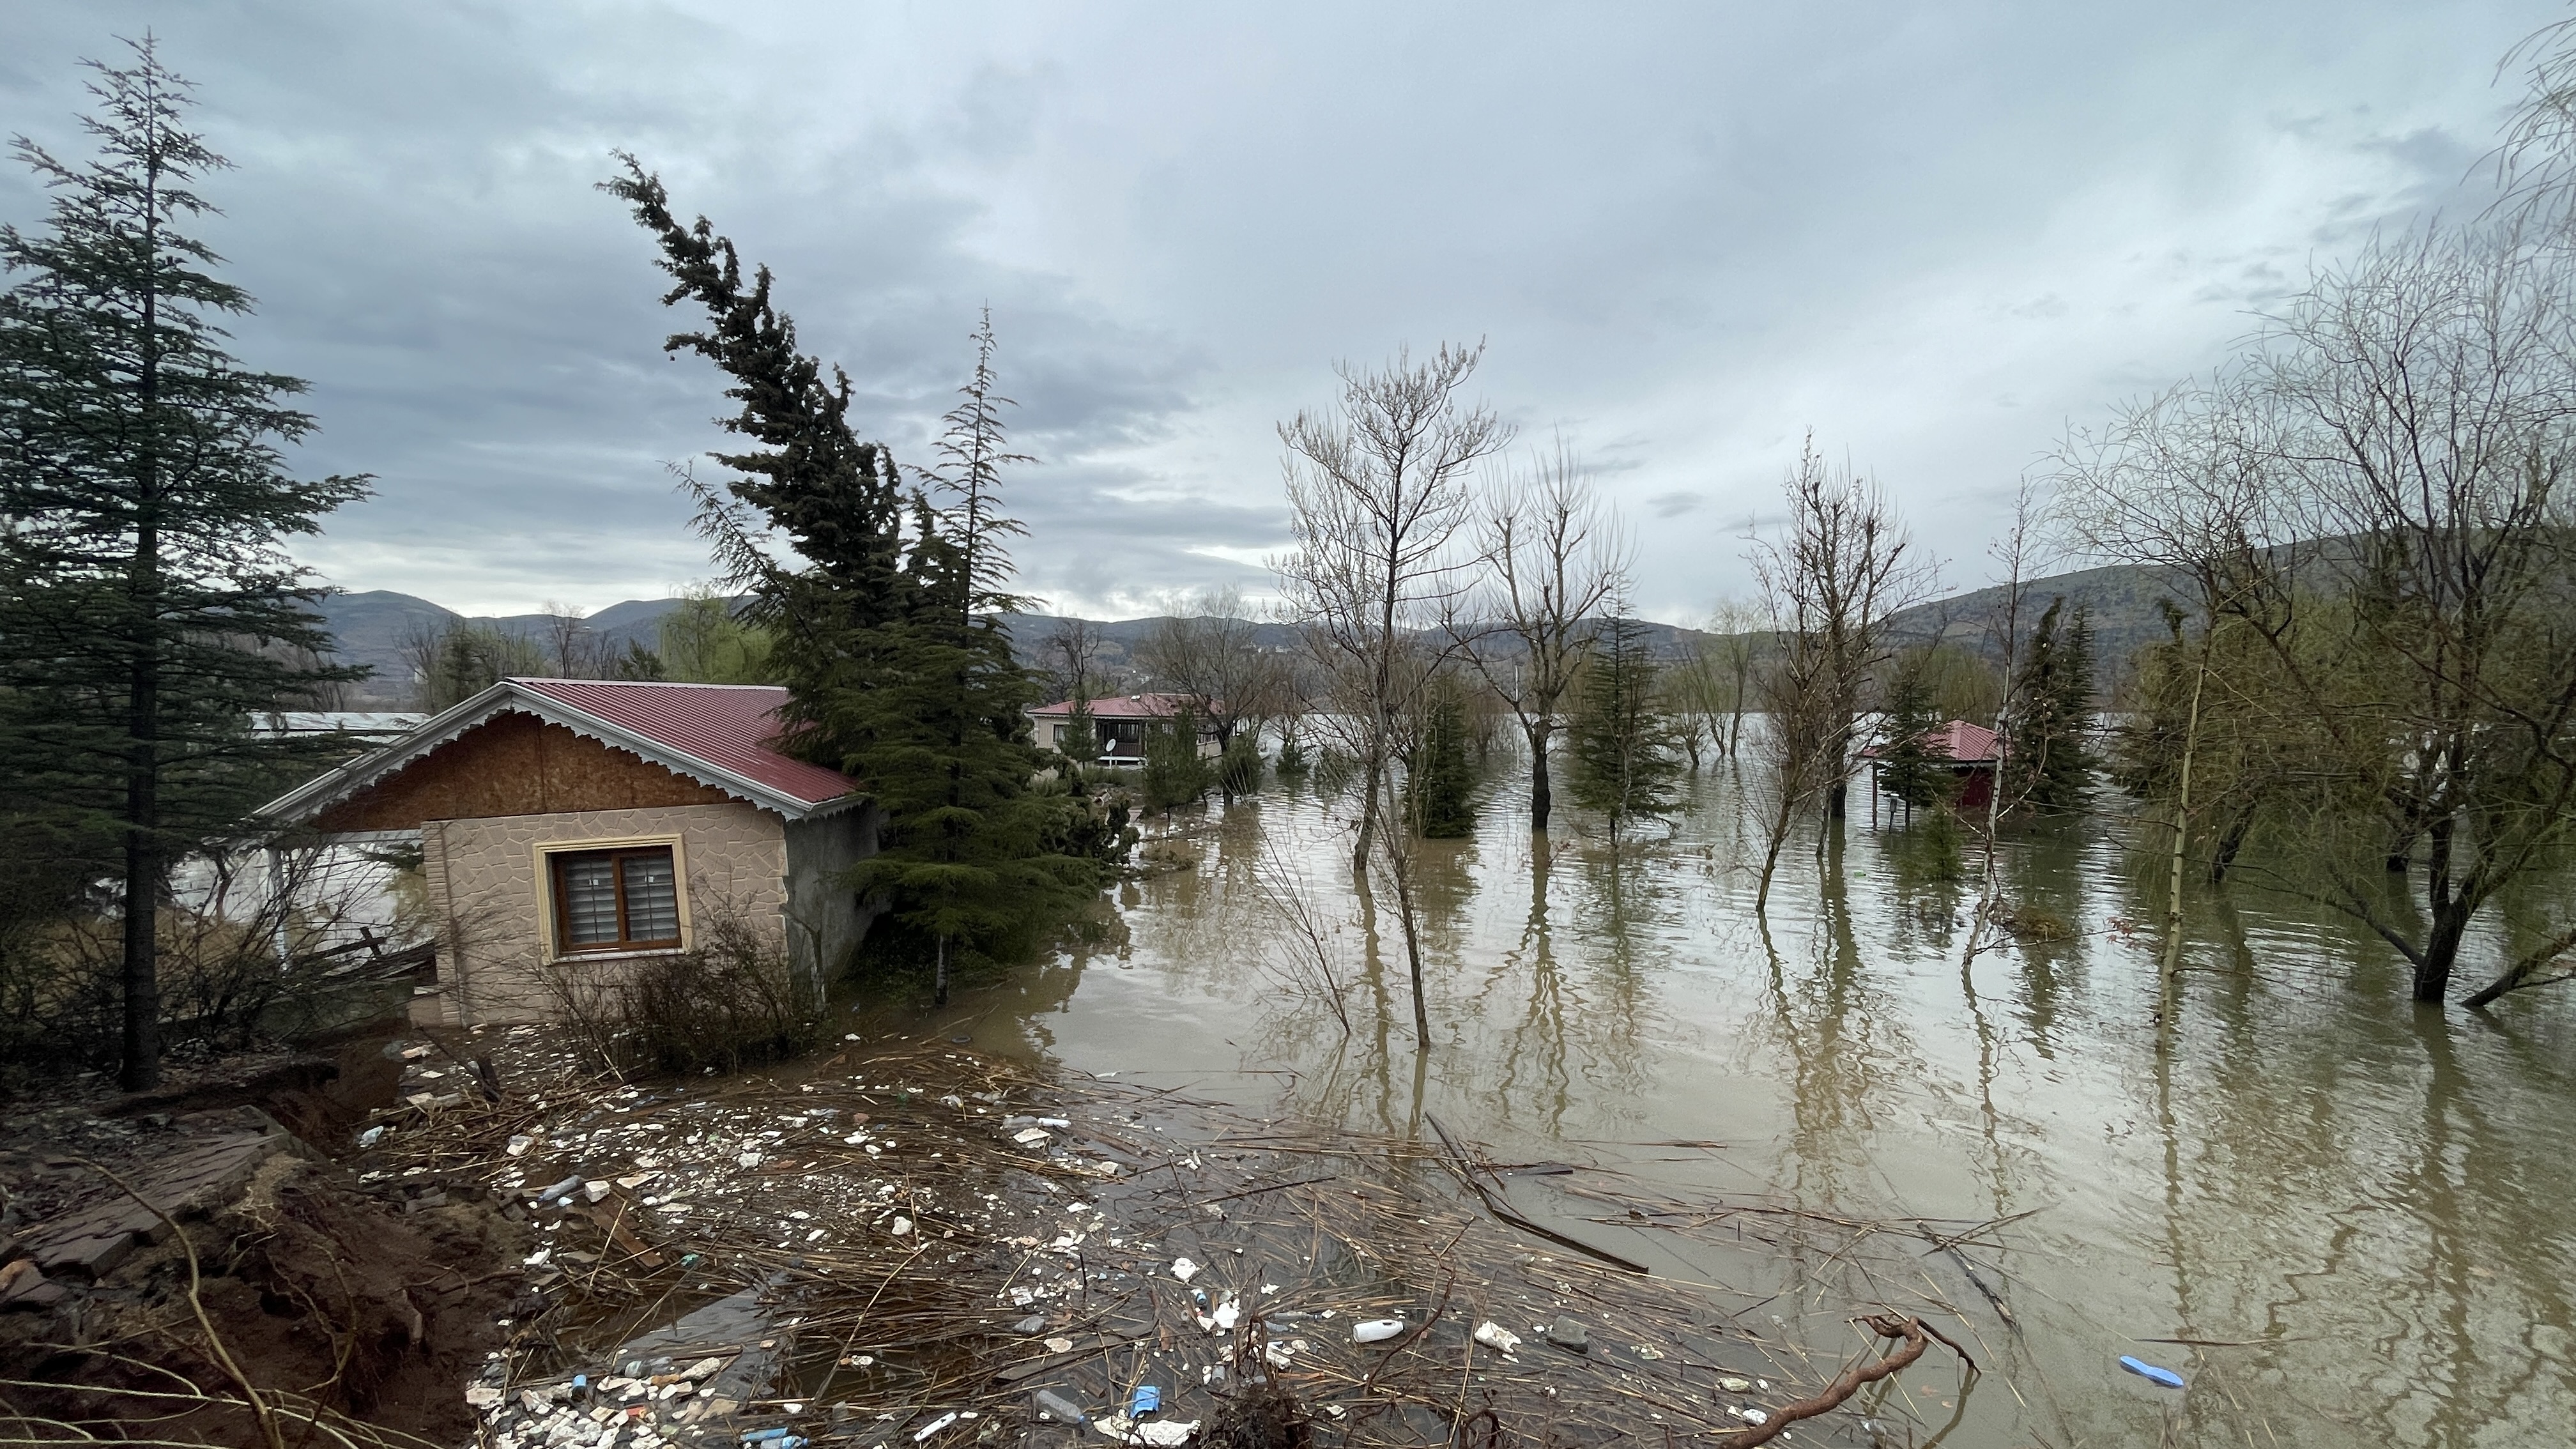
(615, 900)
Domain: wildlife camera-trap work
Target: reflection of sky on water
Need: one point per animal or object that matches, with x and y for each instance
(2366, 1205)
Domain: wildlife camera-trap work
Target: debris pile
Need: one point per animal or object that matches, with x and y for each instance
(917, 1245)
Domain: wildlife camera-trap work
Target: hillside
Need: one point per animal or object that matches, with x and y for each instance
(371, 627)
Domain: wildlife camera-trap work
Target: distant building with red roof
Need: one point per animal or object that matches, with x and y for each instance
(569, 828)
(1122, 721)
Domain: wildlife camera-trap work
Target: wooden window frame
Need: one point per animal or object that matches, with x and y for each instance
(550, 865)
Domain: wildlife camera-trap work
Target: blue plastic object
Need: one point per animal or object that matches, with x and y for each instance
(2152, 1374)
(766, 1436)
(1148, 1399)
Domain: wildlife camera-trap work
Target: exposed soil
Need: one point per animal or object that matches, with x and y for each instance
(336, 1302)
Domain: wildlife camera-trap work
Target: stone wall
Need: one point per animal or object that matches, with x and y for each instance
(498, 962)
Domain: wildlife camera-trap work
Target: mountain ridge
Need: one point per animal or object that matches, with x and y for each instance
(371, 627)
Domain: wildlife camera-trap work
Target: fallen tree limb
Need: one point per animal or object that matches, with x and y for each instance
(1466, 1170)
(1916, 1335)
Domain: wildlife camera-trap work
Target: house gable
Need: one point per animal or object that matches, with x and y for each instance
(513, 764)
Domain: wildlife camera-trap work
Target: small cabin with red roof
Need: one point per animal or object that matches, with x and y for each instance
(569, 828)
(1972, 752)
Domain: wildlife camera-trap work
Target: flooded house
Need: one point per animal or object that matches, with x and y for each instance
(568, 826)
(1122, 721)
(1971, 753)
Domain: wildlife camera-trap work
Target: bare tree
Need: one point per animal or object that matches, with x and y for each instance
(1555, 557)
(2016, 552)
(2426, 405)
(1841, 567)
(1212, 653)
(2170, 484)
(1070, 651)
(1735, 630)
(572, 646)
(1377, 494)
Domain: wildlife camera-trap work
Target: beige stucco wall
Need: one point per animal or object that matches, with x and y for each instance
(484, 886)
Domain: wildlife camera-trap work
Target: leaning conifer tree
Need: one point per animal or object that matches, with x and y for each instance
(147, 607)
(838, 499)
(898, 671)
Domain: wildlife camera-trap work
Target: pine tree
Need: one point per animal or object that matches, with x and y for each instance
(1238, 765)
(940, 742)
(1623, 752)
(839, 500)
(1175, 772)
(1440, 783)
(147, 608)
(1081, 732)
(974, 449)
(1913, 764)
(2050, 756)
(898, 671)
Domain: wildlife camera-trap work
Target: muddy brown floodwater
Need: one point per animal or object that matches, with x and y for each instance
(2340, 1218)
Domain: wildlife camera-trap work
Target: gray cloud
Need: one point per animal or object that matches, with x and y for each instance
(1690, 233)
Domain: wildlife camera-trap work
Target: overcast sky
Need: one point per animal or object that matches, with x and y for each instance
(1934, 234)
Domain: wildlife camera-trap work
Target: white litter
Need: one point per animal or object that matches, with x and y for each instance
(1030, 1137)
(1184, 1269)
(902, 1226)
(518, 1144)
(1494, 1336)
(934, 1426)
(1376, 1330)
(1162, 1433)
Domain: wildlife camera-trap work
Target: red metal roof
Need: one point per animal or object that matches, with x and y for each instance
(1960, 742)
(727, 726)
(1119, 706)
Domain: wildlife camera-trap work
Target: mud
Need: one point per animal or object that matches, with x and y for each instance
(340, 1303)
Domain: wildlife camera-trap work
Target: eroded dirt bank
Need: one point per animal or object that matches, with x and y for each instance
(330, 1297)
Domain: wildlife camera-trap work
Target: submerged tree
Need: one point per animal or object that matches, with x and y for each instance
(147, 606)
(2052, 722)
(1377, 495)
(1211, 652)
(1913, 765)
(1176, 773)
(1834, 579)
(1440, 781)
(2389, 472)
(1624, 766)
(1555, 558)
